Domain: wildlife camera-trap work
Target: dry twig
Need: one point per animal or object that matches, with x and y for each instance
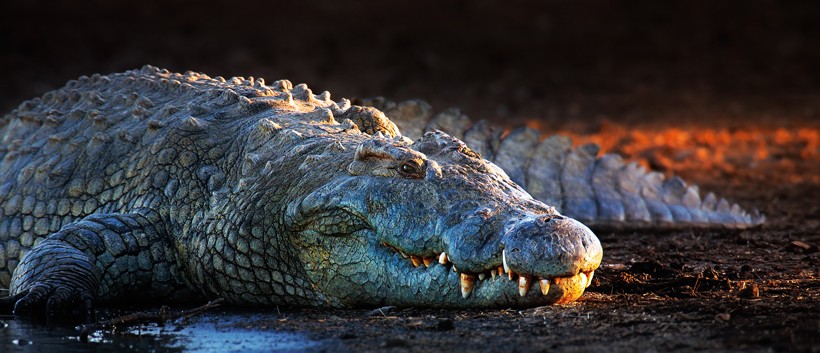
(141, 318)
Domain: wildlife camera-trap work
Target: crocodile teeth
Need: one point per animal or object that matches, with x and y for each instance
(467, 285)
(427, 261)
(524, 283)
(582, 277)
(500, 271)
(442, 259)
(416, 260)
(481, 276)
(510, 273)
(403, 254)
(493, 273)
(589, 277)
(544, 283)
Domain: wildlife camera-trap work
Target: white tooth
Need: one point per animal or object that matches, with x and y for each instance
(442, 259)
(492, 273)
(467, 284)
(504, 260)
(524, 285)
(545, 285)
(454, 268)
(589, 277)
(481, 276)
(582, 277)
(403, 254)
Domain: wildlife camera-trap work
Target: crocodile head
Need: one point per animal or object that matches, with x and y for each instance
(433, 224)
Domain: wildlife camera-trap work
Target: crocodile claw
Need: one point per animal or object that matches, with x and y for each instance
(54, 301)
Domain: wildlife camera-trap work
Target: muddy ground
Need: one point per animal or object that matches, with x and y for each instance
(725, 94)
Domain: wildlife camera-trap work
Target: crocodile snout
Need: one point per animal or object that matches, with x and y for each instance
(550, 246)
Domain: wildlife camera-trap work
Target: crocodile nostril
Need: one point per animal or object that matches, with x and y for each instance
(547, 218)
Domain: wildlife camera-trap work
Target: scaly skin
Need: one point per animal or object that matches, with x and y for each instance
(149, 184)
(600, 191)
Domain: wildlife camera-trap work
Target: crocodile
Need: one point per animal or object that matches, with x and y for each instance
(149, 184)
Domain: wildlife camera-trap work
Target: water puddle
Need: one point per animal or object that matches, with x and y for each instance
(211, 332)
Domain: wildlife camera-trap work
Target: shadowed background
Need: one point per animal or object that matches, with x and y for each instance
(555, 62)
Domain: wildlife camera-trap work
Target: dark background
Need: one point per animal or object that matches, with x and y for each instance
(554, 61)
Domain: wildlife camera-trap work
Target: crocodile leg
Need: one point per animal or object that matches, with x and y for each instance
(98, 258)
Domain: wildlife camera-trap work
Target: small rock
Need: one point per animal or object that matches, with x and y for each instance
(723, 317)
(445, 325)
(616, 267)
(805, 247)
(415, 323)
(21, 342)
(749, 291)
(710, 273)
(395, 342)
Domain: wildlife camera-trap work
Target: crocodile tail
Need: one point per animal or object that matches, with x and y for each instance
(607, 192)
(603, 192)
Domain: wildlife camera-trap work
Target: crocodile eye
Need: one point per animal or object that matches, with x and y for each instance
(411, 169)
(468, 152)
